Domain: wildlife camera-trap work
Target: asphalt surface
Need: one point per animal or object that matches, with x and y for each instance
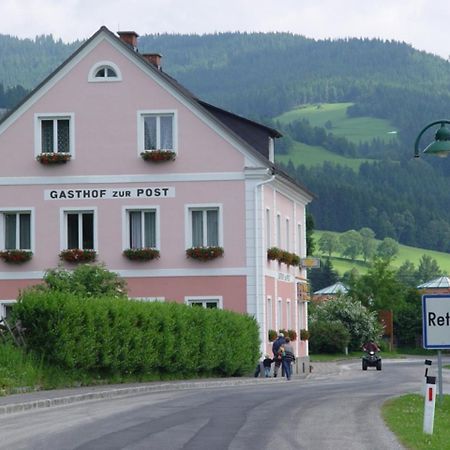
(28, 401)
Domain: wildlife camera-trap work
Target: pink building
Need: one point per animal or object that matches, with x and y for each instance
(99, 111)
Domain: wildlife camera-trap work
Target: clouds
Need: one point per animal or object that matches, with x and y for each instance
(411, 21)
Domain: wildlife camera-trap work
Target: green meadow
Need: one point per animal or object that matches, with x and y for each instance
(310, 156)
(357, 129)
(413, 254)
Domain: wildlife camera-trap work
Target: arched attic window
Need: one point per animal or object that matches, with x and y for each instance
(104, 71)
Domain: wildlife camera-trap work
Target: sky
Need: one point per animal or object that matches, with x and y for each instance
(425, 24)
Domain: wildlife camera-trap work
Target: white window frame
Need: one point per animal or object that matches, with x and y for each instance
(3, 305)
(9, 210)
(278, 230)
(288, 234)
(269, 313)
(268, 228)
(104, 65)
(141, 114)
(288, 314)
(39, 117)
(279, 313)
(188, 300)
(188, 221)
(299, 239)
(126, 223)
(149, 299)
(63, 224)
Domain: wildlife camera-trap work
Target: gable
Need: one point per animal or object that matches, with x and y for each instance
(60, 90)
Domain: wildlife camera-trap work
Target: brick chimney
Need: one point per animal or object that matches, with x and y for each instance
(129, 37)
(153, 58)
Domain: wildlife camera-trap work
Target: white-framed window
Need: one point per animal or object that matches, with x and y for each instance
(6, 307)
(149, 299)
(16, 229)
(288, 235)
(299, 239)
(104, 71)
(268, 228)
(79, 229)
(204, 226)
(278, 230)
(210, 302)
(288, 315)
(157, 131)
(269, 313)
(141, 227)
(279, 313)
(54, 133)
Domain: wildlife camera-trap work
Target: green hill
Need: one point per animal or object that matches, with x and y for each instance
(406, 253)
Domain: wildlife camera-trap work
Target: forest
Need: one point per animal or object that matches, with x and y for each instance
(261, 75)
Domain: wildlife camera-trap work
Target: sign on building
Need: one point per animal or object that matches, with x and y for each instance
(436, 321)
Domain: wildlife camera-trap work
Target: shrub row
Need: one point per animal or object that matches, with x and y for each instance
(120, 336)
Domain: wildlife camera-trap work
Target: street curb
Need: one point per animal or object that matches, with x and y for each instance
(122, 392)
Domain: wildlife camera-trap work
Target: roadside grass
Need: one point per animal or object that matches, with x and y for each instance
(396, 353)
(355, 129)
(412, 254)
(404, 416)
(22, 371)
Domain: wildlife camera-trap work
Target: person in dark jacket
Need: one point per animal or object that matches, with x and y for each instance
(278, 343)
(287, 358)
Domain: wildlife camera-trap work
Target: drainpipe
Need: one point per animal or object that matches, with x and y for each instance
(263, 332)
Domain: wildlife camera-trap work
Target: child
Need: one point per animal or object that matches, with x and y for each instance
(267, 363)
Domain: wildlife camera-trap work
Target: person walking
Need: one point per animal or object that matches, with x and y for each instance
(288, 358)
(277, 358)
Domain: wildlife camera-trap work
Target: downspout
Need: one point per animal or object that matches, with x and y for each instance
(263, 331)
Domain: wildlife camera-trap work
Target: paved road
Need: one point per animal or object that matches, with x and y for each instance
(329, 410)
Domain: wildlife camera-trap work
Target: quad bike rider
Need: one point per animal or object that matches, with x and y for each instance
(371, 358)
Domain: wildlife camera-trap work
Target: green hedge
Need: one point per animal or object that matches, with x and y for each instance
(119, 336)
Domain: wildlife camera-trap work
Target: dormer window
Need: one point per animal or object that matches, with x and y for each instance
(104, 71)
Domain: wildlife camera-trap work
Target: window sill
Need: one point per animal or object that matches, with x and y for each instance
(141, 254)
(16, 256)
(204, 253)
(53, 158)
(158, 155)
(76, 255)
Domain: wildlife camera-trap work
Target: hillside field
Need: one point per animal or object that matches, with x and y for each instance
(310, 156)
(356, 129)
(412, 254)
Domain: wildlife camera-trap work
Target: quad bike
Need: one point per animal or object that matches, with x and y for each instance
(371, 359)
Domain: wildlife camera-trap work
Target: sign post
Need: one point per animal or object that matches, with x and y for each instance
(430, 404)
(436, 327)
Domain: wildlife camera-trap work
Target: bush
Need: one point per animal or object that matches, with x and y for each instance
(328, 337)
(112, 335)
(88, 280)
(361, 323)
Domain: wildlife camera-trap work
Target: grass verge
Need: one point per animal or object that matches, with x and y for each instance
(404, 416)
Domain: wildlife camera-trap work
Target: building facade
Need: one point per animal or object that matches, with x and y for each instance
(110, 155)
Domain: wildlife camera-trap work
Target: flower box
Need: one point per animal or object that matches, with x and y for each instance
(16, 256)
(283, 256)
(204, 253)
(304, 334)
(272, 335)
(141, 254)
(158, 155)
(292, 335)
(53, 158)
(75, 255)
(274, 253)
